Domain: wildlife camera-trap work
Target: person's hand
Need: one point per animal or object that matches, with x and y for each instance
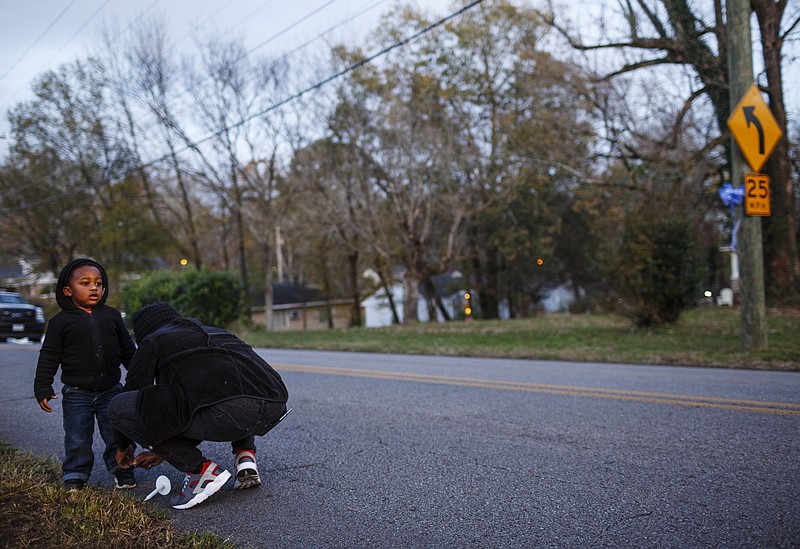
(44, 404)
(147, 460)
(125, 457)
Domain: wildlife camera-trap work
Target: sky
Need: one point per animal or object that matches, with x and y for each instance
(39, 35)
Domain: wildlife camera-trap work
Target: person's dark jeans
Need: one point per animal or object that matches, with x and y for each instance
(80, 408)
(236, 420)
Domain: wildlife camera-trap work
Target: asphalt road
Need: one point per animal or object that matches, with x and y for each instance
(413, 451)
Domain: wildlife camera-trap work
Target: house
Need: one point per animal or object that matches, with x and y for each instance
(298, 308)
(378, 312)
(555, 298)
(23, 277)
(558, 298)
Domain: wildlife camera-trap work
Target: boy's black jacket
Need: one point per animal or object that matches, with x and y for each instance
(88, 347)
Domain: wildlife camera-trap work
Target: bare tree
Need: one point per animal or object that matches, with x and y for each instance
(665, 32)
(154, 85)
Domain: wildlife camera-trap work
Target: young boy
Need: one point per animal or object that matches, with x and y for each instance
(89, 340)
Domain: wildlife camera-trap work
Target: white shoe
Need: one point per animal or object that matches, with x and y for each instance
(246, 470)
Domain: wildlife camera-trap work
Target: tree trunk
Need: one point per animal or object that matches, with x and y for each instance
(430, 299)
(387, 288)
(488, 287)
(268, 294)
(355, 289)
(780, 242)
(410, 297)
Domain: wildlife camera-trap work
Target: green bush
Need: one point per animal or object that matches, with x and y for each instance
(659, 269)
(214, 298)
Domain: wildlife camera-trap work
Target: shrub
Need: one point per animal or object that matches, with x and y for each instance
(214, 298)
(659, 269)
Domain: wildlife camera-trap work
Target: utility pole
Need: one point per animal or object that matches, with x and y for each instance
(751, 255)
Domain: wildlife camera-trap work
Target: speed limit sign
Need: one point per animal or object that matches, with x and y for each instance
(756, 194)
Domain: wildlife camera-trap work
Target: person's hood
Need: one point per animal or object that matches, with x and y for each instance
(63, 277)
(151, 317)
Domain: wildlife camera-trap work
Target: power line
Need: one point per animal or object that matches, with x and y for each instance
(262, 44)
(323, 82)
(304, 45)
(290, 27)
(267, 41)
(269, 109)
(77, 32)
(50, 26)
(334, 27)
(140, 15)
(207, 19)
(70, 39)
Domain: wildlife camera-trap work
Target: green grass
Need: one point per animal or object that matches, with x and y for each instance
(36, 511)
(705, 336)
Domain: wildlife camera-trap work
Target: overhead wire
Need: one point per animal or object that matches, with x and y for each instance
(273, 37)
(287, 29)
(273, 107)
(210, 17)
(333, 28)
(324, 81)
(44, 32)
(140, 15)
(287, 54)
(65, 44)
(77, 32)
(262, 44)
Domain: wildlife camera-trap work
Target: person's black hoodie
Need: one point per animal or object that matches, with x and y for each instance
(88, 347)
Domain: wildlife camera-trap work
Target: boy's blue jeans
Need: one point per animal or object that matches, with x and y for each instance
(80, 408)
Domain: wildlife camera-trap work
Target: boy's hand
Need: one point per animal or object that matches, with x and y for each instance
(125, 457)
(44, 403)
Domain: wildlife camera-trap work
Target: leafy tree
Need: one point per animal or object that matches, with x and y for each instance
(659, 186)
(524, 139)
(65, 178)
(408, 140)
(335, 200)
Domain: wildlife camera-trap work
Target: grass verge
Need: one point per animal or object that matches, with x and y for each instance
(705, 336)
(36, 511)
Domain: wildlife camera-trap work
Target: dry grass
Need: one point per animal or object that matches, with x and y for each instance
(36, 511)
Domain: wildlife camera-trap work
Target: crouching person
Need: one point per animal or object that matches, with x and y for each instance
(188, 383)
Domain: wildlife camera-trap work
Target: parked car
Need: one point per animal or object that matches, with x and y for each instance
(20, 319)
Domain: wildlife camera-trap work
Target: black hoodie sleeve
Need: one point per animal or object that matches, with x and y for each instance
(49, 360)
(125, 343)
(142, 370)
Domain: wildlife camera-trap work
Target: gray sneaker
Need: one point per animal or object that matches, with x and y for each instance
(197, 487)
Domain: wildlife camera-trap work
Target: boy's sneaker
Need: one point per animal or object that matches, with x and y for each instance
(246, 470)
(197, 487)
(125, 479)
(74, 485)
